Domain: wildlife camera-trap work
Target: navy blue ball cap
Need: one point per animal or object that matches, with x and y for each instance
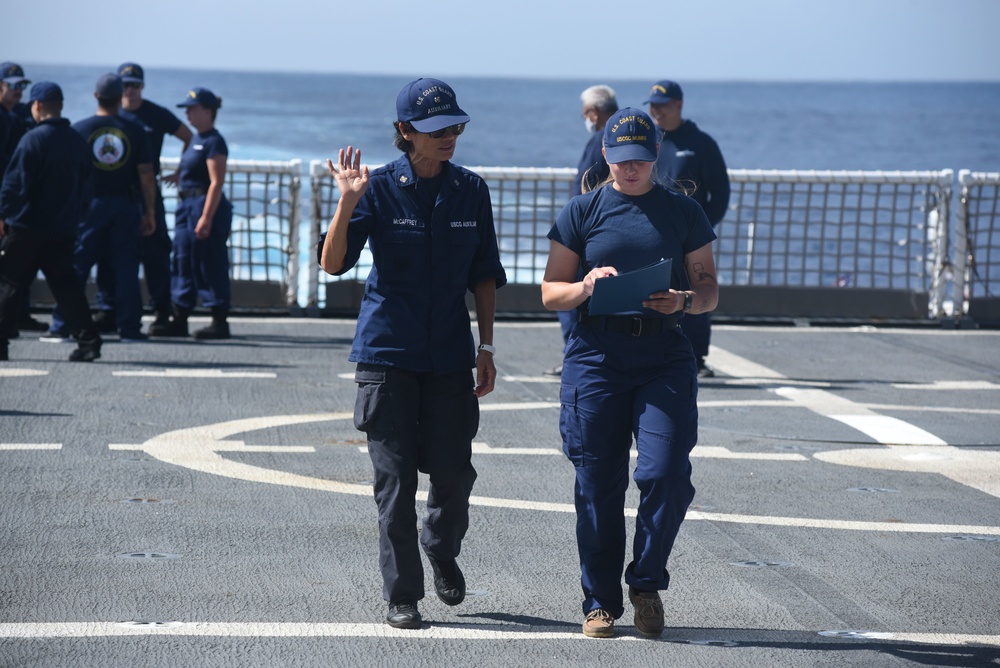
(45, 91)
(12, 73)
(629, 135)
(109, 86)
(664, 91)
(429, 105)
(131, 73)
(202, 96)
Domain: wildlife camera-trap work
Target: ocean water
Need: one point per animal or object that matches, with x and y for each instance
(536, 122)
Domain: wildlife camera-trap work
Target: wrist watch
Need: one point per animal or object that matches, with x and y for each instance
(688, 301)
(487, 348)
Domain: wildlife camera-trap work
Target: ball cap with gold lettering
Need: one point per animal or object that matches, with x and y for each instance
(629, 135)
(664, 91)
(202, 96)
(429, 105)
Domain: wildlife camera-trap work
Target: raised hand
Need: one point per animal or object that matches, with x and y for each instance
(352, 178)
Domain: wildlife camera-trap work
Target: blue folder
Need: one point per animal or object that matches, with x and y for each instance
(625, 292)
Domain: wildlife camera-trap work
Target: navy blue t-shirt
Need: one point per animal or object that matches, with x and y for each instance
(117, 147)
(607, 228)
(158, 122)
(194, 162)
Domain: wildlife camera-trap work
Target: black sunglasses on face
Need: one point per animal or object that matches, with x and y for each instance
(453, 129)
(20, 85)
(132, 84)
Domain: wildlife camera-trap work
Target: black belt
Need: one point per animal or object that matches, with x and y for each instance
(192, 192)
(632, 325)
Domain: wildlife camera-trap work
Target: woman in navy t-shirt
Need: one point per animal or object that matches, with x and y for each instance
(631, 374)
(202, 222)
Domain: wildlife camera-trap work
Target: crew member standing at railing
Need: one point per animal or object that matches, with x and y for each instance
(429, 225)
(690, 161)
(629, 375)
(202, 222)
(154, 250)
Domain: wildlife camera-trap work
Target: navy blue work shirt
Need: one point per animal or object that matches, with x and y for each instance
(689, 159)
(424, 260)
(158, 122)
(117, 147)
(593, 167)
(607, 228)
(46, 184)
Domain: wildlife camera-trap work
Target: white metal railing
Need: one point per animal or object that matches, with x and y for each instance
(977, 237)
(846, 229)
(841, 229)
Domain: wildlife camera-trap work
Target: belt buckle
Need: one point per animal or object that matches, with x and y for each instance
(636, 326)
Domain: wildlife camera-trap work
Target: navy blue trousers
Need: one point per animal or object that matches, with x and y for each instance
(417, 422)
(698, 329)
(201, 268)
(154, 255)
(616, 388)
(22, 253)
(110, 232)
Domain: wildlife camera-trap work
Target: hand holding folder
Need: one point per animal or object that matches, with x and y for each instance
(625, 292)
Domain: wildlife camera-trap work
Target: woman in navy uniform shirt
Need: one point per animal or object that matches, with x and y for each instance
(202, 223)
(629, 375)
(429, 225)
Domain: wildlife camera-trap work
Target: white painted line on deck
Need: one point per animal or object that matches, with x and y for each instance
(8, 372)
(199, 449)
(432, 631)
(889, 430)
(949, 385)
(195, 373)
(30, 446)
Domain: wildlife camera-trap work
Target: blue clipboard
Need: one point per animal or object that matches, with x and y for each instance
(625, 293)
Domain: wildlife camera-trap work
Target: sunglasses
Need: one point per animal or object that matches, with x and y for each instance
(453, 129)
(20, 85)
(132, 84)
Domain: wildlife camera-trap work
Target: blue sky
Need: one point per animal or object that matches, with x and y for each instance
(718, 40)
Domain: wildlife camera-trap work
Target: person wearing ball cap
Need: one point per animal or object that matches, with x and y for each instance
(631, 374)
(202, 223)
(429, 225)
(42, 200)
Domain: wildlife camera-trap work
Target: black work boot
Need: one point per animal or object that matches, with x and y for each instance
(219, 329)
(88, 348)
(171, 326)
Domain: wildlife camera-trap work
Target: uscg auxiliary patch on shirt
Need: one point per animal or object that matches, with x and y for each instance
(687, 153)
(463, 223)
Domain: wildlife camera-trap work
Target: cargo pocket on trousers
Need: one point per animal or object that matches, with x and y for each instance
(569, 424)
(371, 397)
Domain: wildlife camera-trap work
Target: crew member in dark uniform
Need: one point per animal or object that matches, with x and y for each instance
(629, 375)
(154, 250)
(15, 120)
(202, 223)
(41, 202)
(690, 161)
(429, 225)
(122, 209)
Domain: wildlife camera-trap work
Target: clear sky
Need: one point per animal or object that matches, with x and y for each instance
(719, 40)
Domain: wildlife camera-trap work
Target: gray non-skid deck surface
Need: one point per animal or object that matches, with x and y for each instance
(186, 504)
